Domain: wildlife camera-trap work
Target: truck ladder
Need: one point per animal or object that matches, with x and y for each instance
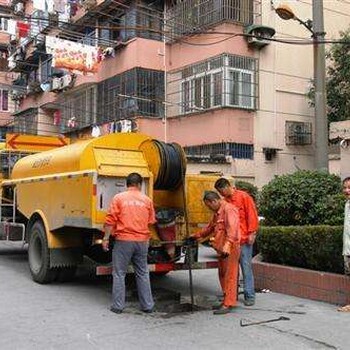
(10, 230)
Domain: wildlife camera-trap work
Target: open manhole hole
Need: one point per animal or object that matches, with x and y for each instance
(168, 303)
(171, 310)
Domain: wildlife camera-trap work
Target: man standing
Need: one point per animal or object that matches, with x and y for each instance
(127, 220)
(346, 234)
(249, 223)
(224, 232)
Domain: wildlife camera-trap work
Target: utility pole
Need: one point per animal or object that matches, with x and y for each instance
(321, 124)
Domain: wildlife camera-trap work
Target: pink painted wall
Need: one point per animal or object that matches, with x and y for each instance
(182, 54)
(138, 53)
(227, 124)
(152, 127)
(4, 38)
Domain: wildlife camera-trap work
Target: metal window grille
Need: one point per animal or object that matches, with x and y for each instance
(26, 122)
(143, 19)
(8, 159)
(222, 81)
(192, 16)
(78, 110)
(46, 70)
(217, 152)
(298, 133)
(137, 92)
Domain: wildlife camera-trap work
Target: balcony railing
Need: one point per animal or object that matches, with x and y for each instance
(192, 16)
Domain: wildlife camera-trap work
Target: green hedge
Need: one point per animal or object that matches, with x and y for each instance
(311, 247)
(302, 198)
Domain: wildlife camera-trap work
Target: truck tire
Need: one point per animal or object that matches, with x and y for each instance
(39, 255)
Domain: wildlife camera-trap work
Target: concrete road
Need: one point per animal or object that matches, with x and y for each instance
(76, 315)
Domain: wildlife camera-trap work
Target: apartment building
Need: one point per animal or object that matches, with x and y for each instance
(181, 71)
(285, 123)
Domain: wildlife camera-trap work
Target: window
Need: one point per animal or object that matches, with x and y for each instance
(79, 110)
(26, 122)
(4, 98)
(46, 70)
(298, 133)
(240, 88)
(224, 81)
(135, 92)
(4, 24)
(217, 152)
(202, 92)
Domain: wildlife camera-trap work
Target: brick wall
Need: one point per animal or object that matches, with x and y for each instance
(309, 284)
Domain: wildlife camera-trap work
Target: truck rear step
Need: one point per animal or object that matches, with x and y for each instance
(162, 267)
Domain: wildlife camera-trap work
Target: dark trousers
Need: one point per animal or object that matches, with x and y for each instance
(125, 252)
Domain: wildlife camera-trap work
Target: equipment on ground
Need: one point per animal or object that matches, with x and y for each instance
(281, 318)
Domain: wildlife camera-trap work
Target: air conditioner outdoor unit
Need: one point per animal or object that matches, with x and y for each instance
(66, 81)
(11, 62)
(19, 9)
(126, 125)
(56, 84)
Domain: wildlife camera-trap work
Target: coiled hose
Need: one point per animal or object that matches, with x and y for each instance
(172, 166)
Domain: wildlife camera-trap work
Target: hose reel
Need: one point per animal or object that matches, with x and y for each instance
(172, 166)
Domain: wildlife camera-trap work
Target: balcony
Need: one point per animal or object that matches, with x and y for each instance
(193, 16)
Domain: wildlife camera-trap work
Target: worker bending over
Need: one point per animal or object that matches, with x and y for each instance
(249, 223)
(224, 234)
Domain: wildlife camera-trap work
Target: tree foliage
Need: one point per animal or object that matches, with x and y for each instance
(248, 187)
(302, 198)
(337, 80)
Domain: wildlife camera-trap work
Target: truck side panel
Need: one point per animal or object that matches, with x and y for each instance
(65, 200)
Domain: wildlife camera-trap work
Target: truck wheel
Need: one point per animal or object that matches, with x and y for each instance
(66, 274)
(39, 255)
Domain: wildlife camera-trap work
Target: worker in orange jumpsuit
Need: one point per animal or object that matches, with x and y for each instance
(225, 237)
(128, 219)
(249, 223)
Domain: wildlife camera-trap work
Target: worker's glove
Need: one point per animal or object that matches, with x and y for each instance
(190, 241)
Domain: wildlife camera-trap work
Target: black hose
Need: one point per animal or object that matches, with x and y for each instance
(172, 166)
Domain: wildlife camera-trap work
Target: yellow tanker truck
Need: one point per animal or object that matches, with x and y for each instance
(60, 197)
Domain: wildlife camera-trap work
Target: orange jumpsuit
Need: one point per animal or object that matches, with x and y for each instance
(248, 215)
(224, 227)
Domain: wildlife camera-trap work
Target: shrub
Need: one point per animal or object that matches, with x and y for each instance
(248, 187)
(311, 247)
(302, 198)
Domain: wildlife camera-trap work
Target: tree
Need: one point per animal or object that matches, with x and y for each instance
(337, 80)
(247, 187)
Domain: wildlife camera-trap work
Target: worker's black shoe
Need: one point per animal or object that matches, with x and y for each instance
(249, 302)
(149, 311)
(224, 310)
(217, 306)
(115, 310)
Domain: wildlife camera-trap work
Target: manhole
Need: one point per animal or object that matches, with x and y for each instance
(171, 310)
